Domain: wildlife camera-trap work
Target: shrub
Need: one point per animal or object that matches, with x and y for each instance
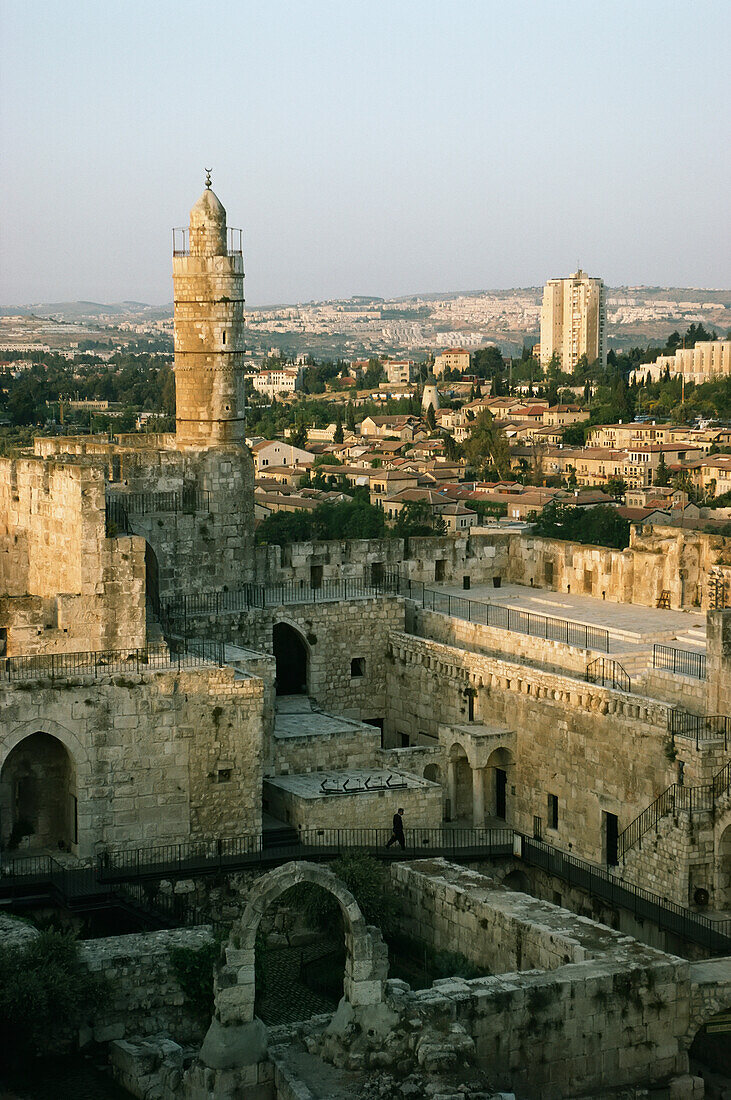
(46, 993)
(366, 879)
(193, 968)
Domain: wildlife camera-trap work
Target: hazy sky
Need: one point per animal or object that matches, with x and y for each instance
(365, 147)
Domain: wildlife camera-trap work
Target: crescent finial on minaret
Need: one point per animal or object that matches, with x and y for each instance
(208, 177)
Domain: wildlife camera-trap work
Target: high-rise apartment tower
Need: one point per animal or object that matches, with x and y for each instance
(573, 320)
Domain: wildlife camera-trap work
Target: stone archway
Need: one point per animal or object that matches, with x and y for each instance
(366, 965)
(499, 768)
(38, 795)
(459, 784)
(291, 655)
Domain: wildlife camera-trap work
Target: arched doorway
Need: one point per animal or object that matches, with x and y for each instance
(366, 956)
(517, 880)
(38, 796)
(290, 652)
(500, 763)
(460, 785)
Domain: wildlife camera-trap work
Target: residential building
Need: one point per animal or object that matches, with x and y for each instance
(273, 452)
(273, 382)
(399, 371)
(573, 320)
(456, 359)
(709, 359)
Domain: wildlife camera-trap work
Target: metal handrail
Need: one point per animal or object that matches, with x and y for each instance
(605, 671)
(699, 727)
(675, 799)
(179, 653)
(681, 662)
(507, 618)
(189, 605)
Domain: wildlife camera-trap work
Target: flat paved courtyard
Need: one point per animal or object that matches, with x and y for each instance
(630, 622)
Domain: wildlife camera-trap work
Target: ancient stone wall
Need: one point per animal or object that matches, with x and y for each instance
(449, 558)
(300, 803)
(157, 757)
(351, 746)
(65, 586)
(143, 995)
(718, 640)
(554, 656)
(599, 751)
(658, 559)
(334, 634)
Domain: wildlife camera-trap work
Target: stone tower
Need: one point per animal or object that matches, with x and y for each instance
(430, 396)
(208, 288)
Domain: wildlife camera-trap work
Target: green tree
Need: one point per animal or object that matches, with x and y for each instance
(46, 991)
(418, 518)
(431, 419)
(298, 437)
(487, 448)
(662, 474)
(339, 436)
(598, 526)
(350, 417)
(616, 487)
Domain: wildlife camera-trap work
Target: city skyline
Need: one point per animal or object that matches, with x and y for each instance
(472, 147)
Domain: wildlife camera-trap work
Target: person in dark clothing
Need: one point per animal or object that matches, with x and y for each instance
(397, 837)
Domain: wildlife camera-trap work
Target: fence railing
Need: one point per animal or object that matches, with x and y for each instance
(142, 504)
(714, 935)
(700, 727)
(211, 856)
(507, 618)
(228, 601)
(676, 798)
(681, 662)
(607, 672)
(180, 653)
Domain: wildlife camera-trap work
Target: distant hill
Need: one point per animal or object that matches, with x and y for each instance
(86, 311)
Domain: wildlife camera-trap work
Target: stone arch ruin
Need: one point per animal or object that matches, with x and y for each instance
(366, 964)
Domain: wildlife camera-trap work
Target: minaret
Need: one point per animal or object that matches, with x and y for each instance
(208, 288)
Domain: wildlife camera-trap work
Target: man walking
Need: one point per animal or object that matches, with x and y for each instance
(397, 837)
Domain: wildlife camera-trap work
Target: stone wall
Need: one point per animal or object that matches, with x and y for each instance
(611, 1013)
(353, 745)
(718, 641)
(598, 750)
(156, 757)
(687, 692)
(477, 556)
(65, 586)
(554, 656)
(299, 802)
(333, 634)
(143, 996)
(657, 559)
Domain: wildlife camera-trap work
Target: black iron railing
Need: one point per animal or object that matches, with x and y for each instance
(142, 504)
(681, 662)
(221, 854)
(700, 727)
(713, 935)
(180, 653)
(190, 605)
(676, 798)
(507, 618)
(608, 673)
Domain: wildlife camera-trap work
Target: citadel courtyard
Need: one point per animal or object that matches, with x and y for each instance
(184, 712)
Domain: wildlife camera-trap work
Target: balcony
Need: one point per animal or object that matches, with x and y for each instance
(234, 241)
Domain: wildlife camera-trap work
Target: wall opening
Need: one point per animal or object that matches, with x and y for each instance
(290, 653)
(38, 807)
(711, 1049)
(439, 569)
(152, 579)
(610, 833)
(501, 763)
(724, 870)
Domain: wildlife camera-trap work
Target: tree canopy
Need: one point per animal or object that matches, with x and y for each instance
(598, 526)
